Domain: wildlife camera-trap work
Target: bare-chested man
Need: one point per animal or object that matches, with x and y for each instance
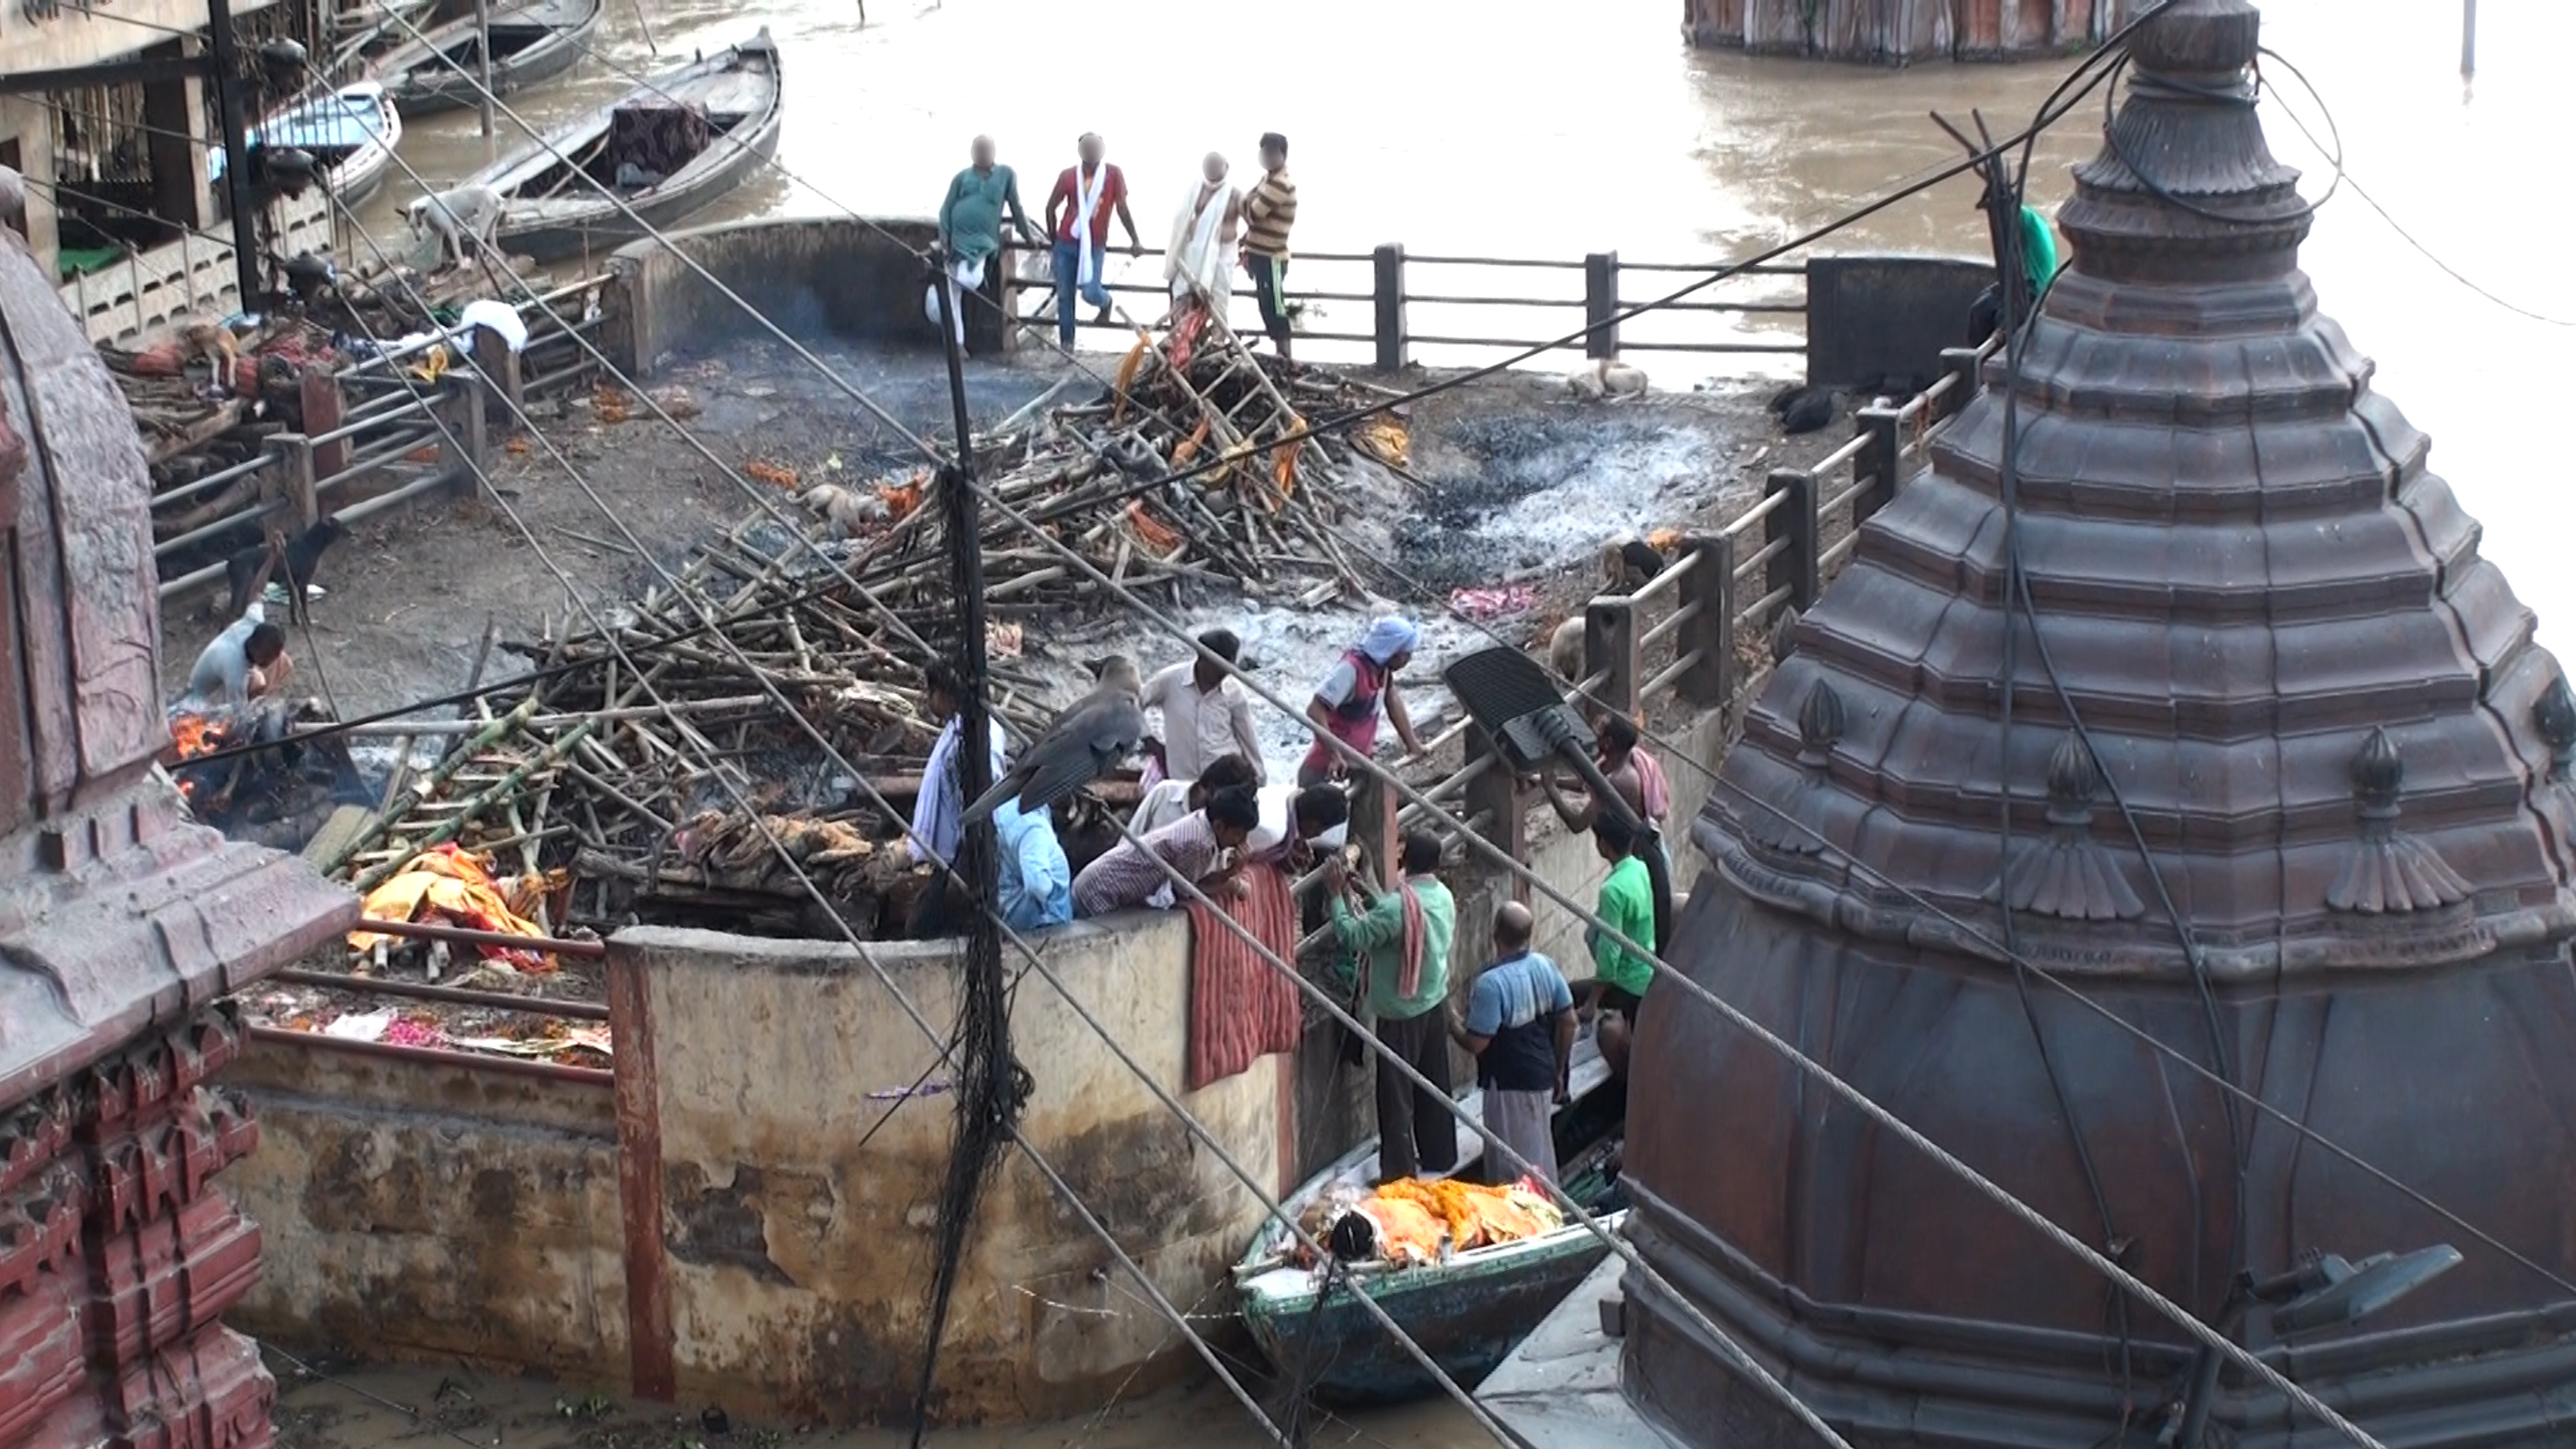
(1635, 774)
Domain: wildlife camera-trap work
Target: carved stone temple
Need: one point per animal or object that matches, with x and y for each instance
(2347, 763)
(121, 925)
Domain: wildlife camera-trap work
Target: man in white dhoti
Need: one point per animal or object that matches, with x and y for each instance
(1199, 263)
(1520, 1027)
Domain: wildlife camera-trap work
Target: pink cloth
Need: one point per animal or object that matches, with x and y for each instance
(1652, 787)
(1242, 1008)
(1408, 977)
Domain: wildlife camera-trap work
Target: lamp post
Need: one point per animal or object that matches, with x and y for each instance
(2328, 1292)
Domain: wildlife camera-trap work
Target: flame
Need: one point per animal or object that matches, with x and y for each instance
(192, 735)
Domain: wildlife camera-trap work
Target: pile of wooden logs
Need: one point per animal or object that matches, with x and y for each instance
(771, 635)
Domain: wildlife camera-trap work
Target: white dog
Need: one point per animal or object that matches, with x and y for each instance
(463, 218)
(1606, 377)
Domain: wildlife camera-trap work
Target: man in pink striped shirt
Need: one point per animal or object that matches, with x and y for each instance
(1194, 845)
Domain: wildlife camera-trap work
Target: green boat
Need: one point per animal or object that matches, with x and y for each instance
(1468, 1311)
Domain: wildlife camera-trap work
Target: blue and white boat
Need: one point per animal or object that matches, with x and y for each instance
(350, 133)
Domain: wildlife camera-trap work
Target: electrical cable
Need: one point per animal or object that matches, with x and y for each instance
(1311, 430)
(1751, 1366)
(1127, 831)
(1024, 523)
(942, 1047)
(1822, 1074)
(1138, 604)
(2335, 159)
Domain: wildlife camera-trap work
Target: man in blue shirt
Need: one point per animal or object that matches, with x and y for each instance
(1036, 880)
(1520, 1027)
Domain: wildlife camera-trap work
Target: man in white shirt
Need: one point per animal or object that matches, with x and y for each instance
(240, 664)
(1206, 714)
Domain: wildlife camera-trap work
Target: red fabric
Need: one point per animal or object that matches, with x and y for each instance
(1068, 190)
(1652, 787)
(1242, 1008)
(1408, 976)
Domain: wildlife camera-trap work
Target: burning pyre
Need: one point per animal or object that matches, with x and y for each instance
(277, 797)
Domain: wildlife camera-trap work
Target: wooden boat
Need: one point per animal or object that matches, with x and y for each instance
(350, 134)
(532, 41)
(665, 148)
(1469, 1311)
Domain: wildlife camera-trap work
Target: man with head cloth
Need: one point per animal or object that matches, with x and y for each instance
(1360, 688)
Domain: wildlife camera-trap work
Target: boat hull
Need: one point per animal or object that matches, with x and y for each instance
(1467, 1316)
(605, 228)
(421, 86)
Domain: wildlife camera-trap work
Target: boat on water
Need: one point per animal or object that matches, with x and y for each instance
(664, 149)
(350, 133)
(532, 41)
(1468, 1310)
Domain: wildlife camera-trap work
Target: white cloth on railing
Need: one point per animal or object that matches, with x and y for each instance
(500, 316)
(967, 276)
(1201, 257)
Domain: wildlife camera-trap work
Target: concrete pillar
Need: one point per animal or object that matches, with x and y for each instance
(27, 147)
(1792, 524)
(1708, 590)
(1601, 304)
(1610, 647)
(1394, 338)
(175, 110)
(1877, 462)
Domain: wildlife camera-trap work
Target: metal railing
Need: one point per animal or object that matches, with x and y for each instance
(1682, 625)
(365, 458)
(1460, 313)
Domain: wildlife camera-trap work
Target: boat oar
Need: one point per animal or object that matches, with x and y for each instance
(647, 24)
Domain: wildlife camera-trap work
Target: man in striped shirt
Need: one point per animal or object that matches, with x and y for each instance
(1269, 210)
(1194, 845)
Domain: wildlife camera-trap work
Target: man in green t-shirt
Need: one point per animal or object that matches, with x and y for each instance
(1627, 907)
(2039, 266)
(1403, 939)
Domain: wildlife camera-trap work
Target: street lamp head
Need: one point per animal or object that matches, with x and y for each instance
(2335, 1293)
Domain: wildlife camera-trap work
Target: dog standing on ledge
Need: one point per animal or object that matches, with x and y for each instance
(464, 219)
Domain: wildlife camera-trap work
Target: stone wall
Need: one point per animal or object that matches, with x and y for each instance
(814, 277)
(435, 1206)
(762, 1249)
(797, 1259)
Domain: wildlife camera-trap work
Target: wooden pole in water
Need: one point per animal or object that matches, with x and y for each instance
(483, 47)
(2468, 38)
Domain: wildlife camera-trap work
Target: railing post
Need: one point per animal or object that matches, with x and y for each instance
(1795, 567)
(1394, 344)
(324, 410)
(1878, 462)
(291, 454)
(500, 367)
(461, 446)
(1708, 590)
(1373, 828)
(1601, 304)
(1965, 365)
(1610, 643)
(1497, 794)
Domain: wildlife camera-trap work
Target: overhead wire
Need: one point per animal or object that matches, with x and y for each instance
(1992, 1191)
(1139, 603)
(1206, 1136)
(943, 1047)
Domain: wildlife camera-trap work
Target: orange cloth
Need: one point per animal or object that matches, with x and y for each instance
(453, 883)
(1406, 1234)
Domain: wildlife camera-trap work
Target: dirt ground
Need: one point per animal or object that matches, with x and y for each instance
(373, 1407)
(1516, 481)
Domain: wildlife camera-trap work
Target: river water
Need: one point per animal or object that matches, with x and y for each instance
(1500, 127)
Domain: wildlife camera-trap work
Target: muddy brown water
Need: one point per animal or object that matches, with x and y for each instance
(1550, 131)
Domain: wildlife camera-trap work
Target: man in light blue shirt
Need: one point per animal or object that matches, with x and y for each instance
(1036, 880)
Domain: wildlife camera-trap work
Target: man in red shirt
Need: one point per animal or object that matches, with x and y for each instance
(1078, 218)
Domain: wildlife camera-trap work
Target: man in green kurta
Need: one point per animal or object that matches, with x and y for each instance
(970, 233)
(1403, 939)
